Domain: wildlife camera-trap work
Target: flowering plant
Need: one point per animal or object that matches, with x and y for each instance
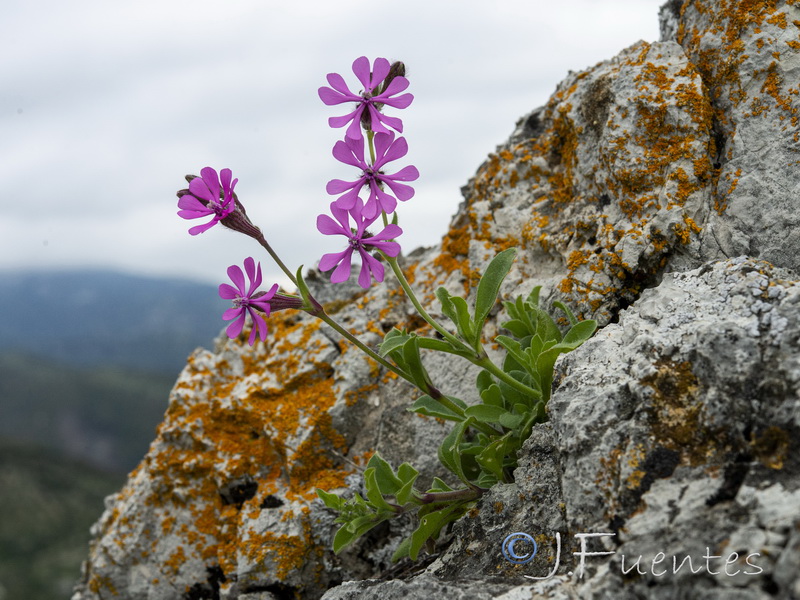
(481, 449)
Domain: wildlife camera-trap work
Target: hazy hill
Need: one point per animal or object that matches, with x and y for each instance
(47, 503)
(105, 416)
(87, 360)
(101, 318)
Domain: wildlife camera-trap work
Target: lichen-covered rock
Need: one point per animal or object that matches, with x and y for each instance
(677, 432)
(675, 428)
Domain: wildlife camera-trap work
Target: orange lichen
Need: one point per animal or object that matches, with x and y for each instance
(242, 435)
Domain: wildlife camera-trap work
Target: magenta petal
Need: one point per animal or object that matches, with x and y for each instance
(331, 97)
(253, 274)
(337, 186)
(380, 69)
(189, 202)
(389, 232)
(328, 261)
(344, 152)
(228, 292)
(397, 150)
(198, 188)
(409, 173)
(342, 272)
(383, 144)
(375, 120)
(388, 248)
(392, 122)
(235, 328)
(259, 327)
(327, 226)
(337, 82)
(354, 131)
(201, 228)
(225, 179)
(237, 277)
(231, 313)
(402, 191)
(270, 294)
(397, 85)
(337, 122)
(347, 201)
(361, 70)
(387, 201)
(211, 179)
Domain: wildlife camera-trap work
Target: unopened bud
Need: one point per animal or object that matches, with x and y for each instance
(280, 302)
(398, 69)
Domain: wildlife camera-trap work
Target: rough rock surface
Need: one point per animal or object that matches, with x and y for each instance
(658, 192)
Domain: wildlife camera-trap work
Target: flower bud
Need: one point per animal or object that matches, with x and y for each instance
(397, 69)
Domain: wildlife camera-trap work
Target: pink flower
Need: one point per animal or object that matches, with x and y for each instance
(367, 100)
(246, 300)
(204, 198)
(359, 239)
(387, 149)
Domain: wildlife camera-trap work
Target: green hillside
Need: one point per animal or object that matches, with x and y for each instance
(47, 503)
(104, 416)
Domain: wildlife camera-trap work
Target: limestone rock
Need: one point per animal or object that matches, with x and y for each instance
(657, 192)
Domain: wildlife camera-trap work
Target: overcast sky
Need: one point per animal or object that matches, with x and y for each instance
(106, 105)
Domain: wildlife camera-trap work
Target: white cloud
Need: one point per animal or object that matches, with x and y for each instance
(105, 106)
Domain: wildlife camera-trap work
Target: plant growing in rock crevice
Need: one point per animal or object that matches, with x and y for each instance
(481, 448)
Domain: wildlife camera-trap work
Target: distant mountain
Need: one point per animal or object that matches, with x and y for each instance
(87, 359)
(102, 318)
(106, 416)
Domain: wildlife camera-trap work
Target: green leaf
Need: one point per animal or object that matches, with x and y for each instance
(431, 524)
(439, 486)
(483, 380)
(442, 346)
(343, 538)
(579, 333)
(449, 454)
(331, 500)
(533, 297)
(486, 413)
(406, 473)
(405, 493)
(510, 420)
(388, 483)
(393, 340)
(413, 363)
(403, 548)
(518, 327)
(302, 288)
(374, 494)
(492, 396)
(514, 349)
(573, 320)
(448, 310)
(425, 405)
(464, 320)
(489, 285)
(491, 458)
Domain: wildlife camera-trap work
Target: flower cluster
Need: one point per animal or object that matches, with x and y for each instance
(212, 195)
(380, 88)
(203, 198)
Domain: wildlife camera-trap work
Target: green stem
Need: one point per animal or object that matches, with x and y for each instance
(265, 244)
(466, 494)
(445, 401)
(370, 137)
(363, 347)
(486, 363)
(454, 341)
